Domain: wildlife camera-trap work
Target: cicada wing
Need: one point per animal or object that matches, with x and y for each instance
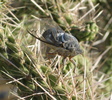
(38, 27)
(43, 24)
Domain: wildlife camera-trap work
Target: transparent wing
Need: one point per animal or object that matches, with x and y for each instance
(41, 25)
(37, 27)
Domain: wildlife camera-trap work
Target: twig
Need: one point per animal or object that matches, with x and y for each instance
(88, 12)
(44, 89)
(98, 15)
(77, 5)
(33, 95)
(12, 64)
(17, 81)
(99, 58)
(11, 13)
(38, 6)
(103, 39)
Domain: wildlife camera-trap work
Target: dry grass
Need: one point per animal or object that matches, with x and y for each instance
(34, 76)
